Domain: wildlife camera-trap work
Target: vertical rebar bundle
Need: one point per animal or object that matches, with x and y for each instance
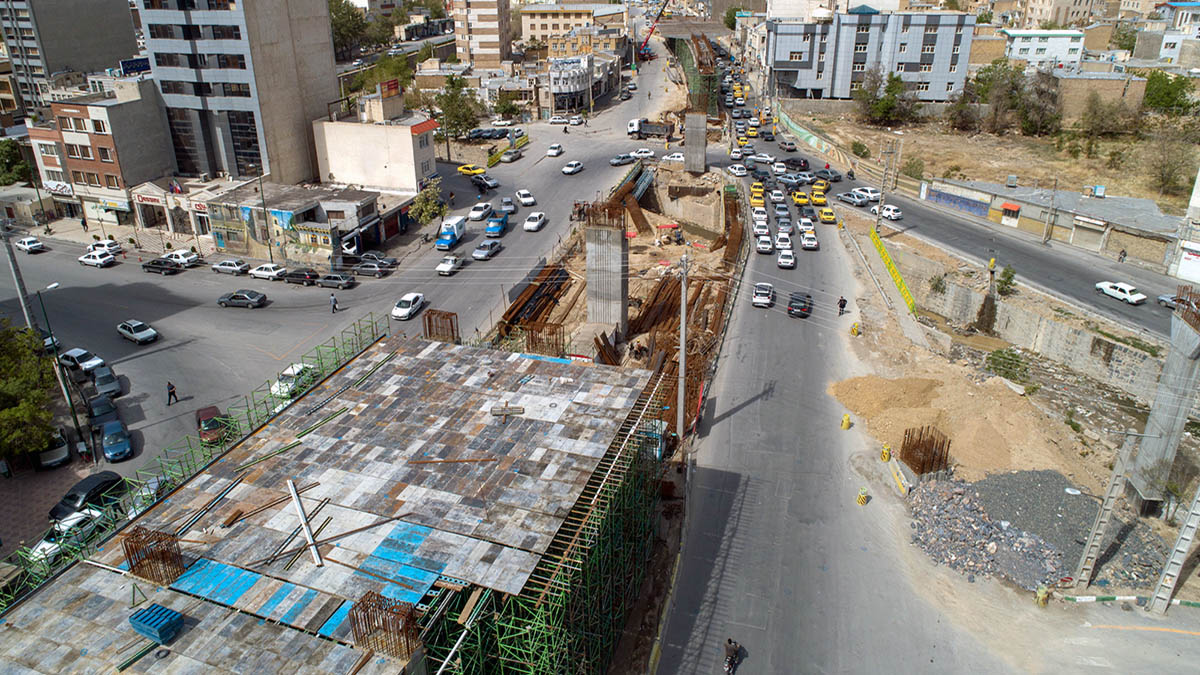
(925, 450)
(441, 325)
(384, 625)
(153, 555)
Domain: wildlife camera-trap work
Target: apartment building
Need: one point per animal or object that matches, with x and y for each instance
(242, 82)
(829, 59)
(542, 21)
(1030, 14)
(482, 32)
(44, 37)
(1181, 17)
(94, 148)
(10, 102)
(1044, 48)
(587, 41)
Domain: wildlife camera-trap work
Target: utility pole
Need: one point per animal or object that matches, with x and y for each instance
(22, 294)
(883, 184)
(58, 371)
(1050, 215)
(681, 387)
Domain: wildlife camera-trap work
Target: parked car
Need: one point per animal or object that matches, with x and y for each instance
(97, 490)
(184, 258)
(293, 380)
(572, 168)
(1171, 301)
(643, 153)
(763, 295)
(575, 120)
(210, 426)
(30, 245)
(114, 441)
(888, 211)
(558, 119)
(137, 332)
(471, 170)
(673, 157)
(737, 170)
(501, 122)
(370, 268)
(80, 359)
(408, 306)
(853, 198)
(480, 211)
(376, 256)
(243, 297)
(448, 265)
(97, 259)
(101, 410)
(57, 452)
(73, 531)
(799, 304)
(231, 266)
(485, 182)
(150, 492)
(526, 198)
(163, 266)
(305, 276)
(269, 271)
(108, 246)
(338, 280)
(534, 221)
(511, 155)
(1121, 291)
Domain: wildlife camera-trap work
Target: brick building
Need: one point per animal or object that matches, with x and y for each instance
(482, 32)
(1074, 88)
(540, 22)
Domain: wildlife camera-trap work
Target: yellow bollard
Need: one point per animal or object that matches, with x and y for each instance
(854, 329)
(862, 496)
(841, 224)
(845, 422)
(1042, 597)
(885, 454)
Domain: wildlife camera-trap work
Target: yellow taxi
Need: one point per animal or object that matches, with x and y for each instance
(757, 188)
(818, 199)
(742, 140)
(799, 198)
(757, 200)
(826, 215)
(751, 133)
(471, 169)
(821, 185)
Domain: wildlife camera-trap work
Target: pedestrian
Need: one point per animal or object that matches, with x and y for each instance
(451, 199)
(83, 223)
(333, 308)
(1121, 256)
(841, 306)
(172, 397)
(826, 165)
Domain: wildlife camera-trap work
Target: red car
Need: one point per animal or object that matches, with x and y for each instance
(210, 426)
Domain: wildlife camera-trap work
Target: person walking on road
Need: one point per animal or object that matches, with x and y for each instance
(172, 397)
(841, 305)
(83, 223)
(333, 308)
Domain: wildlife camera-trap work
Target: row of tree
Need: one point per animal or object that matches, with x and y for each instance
(352, 28)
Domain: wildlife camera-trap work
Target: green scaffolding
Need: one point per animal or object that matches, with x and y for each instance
(703, 90)
(22, 572)
(572, 611)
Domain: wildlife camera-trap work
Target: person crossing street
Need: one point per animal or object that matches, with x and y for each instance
(333, 306)
(172, 397)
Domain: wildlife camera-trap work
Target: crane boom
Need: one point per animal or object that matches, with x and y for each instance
(661, 9)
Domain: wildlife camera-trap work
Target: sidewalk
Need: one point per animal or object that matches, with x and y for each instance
(151, 242)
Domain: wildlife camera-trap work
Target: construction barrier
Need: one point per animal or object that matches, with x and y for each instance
(862, 496)
(854, 329)
(845, 422)
(885, 453)
(893, 271)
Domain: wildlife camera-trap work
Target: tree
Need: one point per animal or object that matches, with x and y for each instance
(914, 167)
(417, 99)
(460, 110)
(436, 10)
(379, 33)
(506, 107)
(1169, 162)
(26, 379)
(885, 101)
(13, 167)
(386, 68)
(731, 17)
(1039, 108)
(984, 17)
(426, 52)
(1050, 25)
(428, 204)
(1166, 93)
(1001, 86)
(1100, 119)
(348, 23)
(1124, 36)
(962, 113)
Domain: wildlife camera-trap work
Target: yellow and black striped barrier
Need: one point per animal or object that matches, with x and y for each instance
(862, 496)
(885, 453)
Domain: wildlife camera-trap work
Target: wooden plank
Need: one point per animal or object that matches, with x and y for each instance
(466, 610)
(452, 461)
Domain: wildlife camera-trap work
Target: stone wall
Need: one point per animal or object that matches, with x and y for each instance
(1130, 370)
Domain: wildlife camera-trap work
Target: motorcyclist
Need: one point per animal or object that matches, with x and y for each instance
(732, 649)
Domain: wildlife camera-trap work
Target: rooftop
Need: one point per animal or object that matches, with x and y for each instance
(1041, 33)
(294, 198)
(1089, 75)
(400, 446)
(597, 9)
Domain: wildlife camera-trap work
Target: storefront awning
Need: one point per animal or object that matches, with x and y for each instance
(1009, 206)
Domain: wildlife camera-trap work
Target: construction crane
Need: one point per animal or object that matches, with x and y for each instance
(644, 53)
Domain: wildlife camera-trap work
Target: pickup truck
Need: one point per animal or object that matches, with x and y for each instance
(449, 265)
(1121, 291)
(497, 225)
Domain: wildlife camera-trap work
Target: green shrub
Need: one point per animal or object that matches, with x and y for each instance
(1006, 284)
(860, 149)
(914, 167)
(937, 283)
(1007, 363)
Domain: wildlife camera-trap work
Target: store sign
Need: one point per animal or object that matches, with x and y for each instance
(200, 206)
(58, 188)
(114, 204)
(147, 199)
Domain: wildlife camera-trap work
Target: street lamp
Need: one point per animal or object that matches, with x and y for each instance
(58, 370)
(266, 215)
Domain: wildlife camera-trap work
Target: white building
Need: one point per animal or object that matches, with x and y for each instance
(1044, 48)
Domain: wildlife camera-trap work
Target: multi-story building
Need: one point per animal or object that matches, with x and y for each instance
(830, 59)
(242, 82)
(540, 22)
(1029, 14)
(10, 101)
(44, 37)
(1044, 48)
(587, 41)
(94, 148)
(1182, 17)
(482, 32)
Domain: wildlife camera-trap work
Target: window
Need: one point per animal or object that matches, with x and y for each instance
(224, 33)
(927, 49)
(899, 67)
(47, 149)
(1043, 39)
(111, 181)
(795, 56)
(922, 86)
(949, 86)
(1073, 50)
(335, 215)
(93, 179)
(72, 150)
(51, 174)
(1169, 45)
(926, 67)
(931, 29)
(954, 67)
(903, 47)
(423, 141)
(1075, 39)
(860, 48)
(863, 29)
(99, 127)
(425, 168)
(807, 37)
(1041, 50)
(955, 50)
(160, 31)
(859, 67)
(104, 153)
(1024, 50)
(1026, 39)
(240, 89)
(958, 30)
(823, 36)
(77, 178)
(64, 123)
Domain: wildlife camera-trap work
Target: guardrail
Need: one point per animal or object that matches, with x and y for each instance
(25, 570)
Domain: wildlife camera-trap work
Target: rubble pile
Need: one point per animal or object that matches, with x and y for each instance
(950, 525)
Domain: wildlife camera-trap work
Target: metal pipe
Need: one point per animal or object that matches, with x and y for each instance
(312, 546)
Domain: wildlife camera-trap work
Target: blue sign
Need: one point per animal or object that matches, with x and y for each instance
(136, 65)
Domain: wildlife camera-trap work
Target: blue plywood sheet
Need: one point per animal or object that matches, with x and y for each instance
(290, 615)
(333, 626)
(216, 581)
(270, 605)
(396, 558)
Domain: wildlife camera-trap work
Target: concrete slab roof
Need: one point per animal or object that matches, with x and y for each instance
(294, 198)
(401, 444)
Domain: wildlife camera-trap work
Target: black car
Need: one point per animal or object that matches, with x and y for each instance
(797, 163)
(809, 212)
(336, 280)
(162, 266)
(243, 297)
(762, 175)
(370, 268)
(376, 256)
(828, 174)
(767, 136)
(101, 410)
(799, 304)
(305, 276)
(99, 489)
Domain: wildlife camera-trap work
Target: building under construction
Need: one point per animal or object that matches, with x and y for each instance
(429, 507)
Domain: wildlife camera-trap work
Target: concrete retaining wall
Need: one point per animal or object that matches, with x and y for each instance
(704, 212)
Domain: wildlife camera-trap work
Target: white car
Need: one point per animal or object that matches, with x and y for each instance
(30, 245)
(558, 119)
(185, 258)
(783, 242)
(786, 260)
(643, 153)
(575, 120)
(449, 265)
(408, 306)
(760, 228)
(501, 122)
(136, 331)
(554, 150)
(764, 158)
(890, 212)
(1121, 291)
(269, 271)
(736, 154)
(480, 211)
(764, 244)
(97, 259)
(80, 359)
(779, 168)
(777, 196)
(754, 122)
(739, 101)
(806, 225)
(534, 221)
(231, 266)
(74, 530)
(737, 170)
(673, 157)
(293, 380)
(808, 242)
(763, 296)
(572, 168)
(525, 197)
(107, 245)
(869, 192)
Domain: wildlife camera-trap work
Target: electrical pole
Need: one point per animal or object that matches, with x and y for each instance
(888, 168)
(22, 294)
(58, 371)
(681, 387)
(1050, 215)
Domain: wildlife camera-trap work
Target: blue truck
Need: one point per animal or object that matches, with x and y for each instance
(497, 225)
(451, 233)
